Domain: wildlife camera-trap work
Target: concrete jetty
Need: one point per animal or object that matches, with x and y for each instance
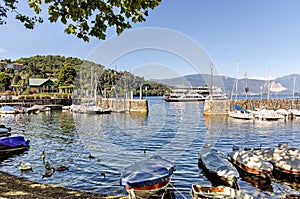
(114, 104)
(217, 107)
(124, 105)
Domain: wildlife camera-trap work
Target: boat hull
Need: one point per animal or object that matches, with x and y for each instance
(217, 192)
(147, 177)
(184, 99)
(215, 163)
(248, 162)
(147, 191)
(285, 159)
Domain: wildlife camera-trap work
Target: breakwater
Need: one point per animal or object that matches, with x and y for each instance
(223, 106)
(36, 101)
(273, 104)
(124, 105)
(114, 104)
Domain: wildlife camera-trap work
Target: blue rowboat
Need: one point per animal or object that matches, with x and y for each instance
(147, 177)
(13, 144)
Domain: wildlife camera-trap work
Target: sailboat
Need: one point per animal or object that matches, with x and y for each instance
(293, 111)
(239, 112)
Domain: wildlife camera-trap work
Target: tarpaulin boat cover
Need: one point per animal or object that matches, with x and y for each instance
(14, 141)
(237, 107)
(149, 171)
(217, 163)
(8, 108)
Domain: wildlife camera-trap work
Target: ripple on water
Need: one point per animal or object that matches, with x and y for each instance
(176, 131)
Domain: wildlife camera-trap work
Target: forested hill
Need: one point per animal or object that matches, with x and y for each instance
(64, 69)
(47, 66)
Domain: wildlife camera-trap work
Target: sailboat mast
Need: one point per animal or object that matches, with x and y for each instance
(268, 84)
(236, 83)
(246, 88)
(294, 87)
(211, 81)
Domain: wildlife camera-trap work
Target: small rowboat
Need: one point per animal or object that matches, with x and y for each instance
(4, 131)
(147, 178)
(199, 191)
(251, 163)
(217, 164)
(285, 159)
(13, 144)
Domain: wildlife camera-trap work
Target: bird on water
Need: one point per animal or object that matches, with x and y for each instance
(49, 173)
(43, 156)
(25, 166)
(48, 165)
(61, 168)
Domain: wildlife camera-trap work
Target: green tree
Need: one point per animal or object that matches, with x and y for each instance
(84, 18)
(67, 75)
(5, 80)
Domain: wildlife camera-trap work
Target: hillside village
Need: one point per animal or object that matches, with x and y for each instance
(49, 76)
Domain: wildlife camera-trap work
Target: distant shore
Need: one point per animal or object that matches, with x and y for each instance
(17, 187)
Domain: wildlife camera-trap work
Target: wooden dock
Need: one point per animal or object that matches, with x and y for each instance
(54, 103)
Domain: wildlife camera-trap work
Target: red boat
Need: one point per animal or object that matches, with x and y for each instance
(148, 177)
(285, 159)
(251, 163)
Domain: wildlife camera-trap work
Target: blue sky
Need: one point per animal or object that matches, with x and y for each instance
(263, 35)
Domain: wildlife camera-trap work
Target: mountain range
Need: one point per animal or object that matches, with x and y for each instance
(283, 85)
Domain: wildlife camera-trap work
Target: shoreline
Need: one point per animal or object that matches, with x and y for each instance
(18, 187)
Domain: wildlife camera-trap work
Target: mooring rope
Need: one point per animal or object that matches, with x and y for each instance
(179, 192)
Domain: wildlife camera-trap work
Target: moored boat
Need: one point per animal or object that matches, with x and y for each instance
(4, 131)
(187, 94)
(251, 163)
(13, 144)
(240, 113)
(285, 159)
(264, 114)
(147, 177)
(8, 110)
(217, 164)
(199, 191)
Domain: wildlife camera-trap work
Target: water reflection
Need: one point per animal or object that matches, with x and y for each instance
(176, 131)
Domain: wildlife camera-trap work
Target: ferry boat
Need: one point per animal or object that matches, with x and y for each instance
(192, 93)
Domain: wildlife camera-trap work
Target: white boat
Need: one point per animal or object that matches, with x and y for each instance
(240, 113)
(187, 94)
(294, 112)
(251, 163)
(218, 165)
(147, 178)
(264, 114)
(283, 113)
(8, 110)
(199, 191)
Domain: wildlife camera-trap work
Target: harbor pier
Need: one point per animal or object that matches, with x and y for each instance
(54, 103)
(124, 105)
(217, 107)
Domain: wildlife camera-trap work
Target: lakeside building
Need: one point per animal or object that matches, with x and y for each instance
(42, 85)
(15, 66)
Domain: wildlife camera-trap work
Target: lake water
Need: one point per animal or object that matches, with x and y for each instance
(176, 131)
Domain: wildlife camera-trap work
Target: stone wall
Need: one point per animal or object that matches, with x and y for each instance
(223, 106)
(274, 104)
(213, 107)
(124, 105)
